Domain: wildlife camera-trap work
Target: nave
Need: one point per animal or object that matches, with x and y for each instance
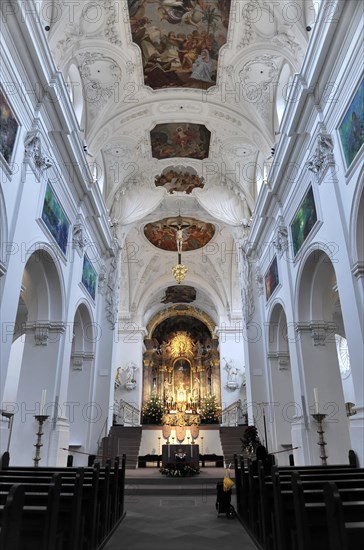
(276, 508)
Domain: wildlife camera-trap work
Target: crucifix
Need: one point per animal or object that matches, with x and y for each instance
(179, 226)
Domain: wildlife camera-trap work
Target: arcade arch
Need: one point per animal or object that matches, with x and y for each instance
(319, 313)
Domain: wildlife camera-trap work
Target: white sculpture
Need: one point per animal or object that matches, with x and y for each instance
(130, 378)
(232, 371)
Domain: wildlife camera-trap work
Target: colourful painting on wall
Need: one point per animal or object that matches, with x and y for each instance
(55, 219)
(194, 233)
(179, 40)
(8, 129)
(271, 278)
(89, 277)
(180, 140)
(351, 129)
(178, 181)
(303, 221)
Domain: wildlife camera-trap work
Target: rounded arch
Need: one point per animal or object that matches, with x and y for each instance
(43, 284)
(277, 327)
(315, 285)
(34, 361)
(80, 377)
(176, 311)
(280, 376)
(357, 224)
(84, 328)
(319, 319)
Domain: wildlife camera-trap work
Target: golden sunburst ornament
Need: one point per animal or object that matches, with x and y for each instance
(179, 272)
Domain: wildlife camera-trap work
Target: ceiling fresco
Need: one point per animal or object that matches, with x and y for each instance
(150, 131)
(180, 140)
(195, 233)
(179, 294)
(177, 181)
(179, 40)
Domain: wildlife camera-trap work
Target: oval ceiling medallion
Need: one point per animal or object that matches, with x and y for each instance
(195, 233)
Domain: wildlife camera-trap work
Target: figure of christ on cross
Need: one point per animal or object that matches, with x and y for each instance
(179, 235)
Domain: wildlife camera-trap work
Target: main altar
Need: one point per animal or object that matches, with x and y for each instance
(181, 369)
(188, 454)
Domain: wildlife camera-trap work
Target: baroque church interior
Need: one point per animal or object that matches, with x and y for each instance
(182, 226)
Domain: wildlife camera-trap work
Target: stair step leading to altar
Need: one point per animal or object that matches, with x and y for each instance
(154, 483)
(230, 437)
(123, 440)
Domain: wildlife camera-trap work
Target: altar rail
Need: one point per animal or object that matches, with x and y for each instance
(127, 415)
(234, 415)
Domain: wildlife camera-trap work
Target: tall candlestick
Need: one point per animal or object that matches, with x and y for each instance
(42, 401)
(321, 442)
(40, 418)
(316, 401)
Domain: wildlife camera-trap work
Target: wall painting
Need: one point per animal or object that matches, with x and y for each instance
(303, 221)
(55, 219)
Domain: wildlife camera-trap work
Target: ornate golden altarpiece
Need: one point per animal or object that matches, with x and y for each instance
(182, 368)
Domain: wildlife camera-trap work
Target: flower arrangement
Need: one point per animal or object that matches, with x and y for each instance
(250, 440)
(153, 411)
(209, 410)
(172, 469)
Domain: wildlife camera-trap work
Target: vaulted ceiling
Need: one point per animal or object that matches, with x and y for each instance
(179, 105)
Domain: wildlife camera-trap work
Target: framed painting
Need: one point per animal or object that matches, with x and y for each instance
(179, 40)
(271, 278)
(303, 221)
(55, 219)
(89, 277)
(172, 140)
(8, 128)
(351, 129)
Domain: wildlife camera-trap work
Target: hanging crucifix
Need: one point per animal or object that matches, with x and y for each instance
(179, 226)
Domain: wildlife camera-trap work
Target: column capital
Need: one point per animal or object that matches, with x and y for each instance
(43, 329)
(319, 330)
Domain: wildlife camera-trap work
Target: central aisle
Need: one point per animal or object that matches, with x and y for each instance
(173, 521)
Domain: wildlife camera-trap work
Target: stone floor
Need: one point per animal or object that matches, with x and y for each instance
(177, 522)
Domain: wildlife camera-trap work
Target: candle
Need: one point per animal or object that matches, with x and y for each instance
(42, 401)
(316, 401)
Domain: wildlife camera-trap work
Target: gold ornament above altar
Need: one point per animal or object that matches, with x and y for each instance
(181, 345)
(179, 272)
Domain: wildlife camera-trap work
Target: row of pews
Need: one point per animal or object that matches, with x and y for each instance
(301, 507)
(47, 508)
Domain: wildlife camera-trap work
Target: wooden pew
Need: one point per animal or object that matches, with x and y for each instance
(342, 535)
(10, 518)
(91, 501)
(311, 518)
(40, 514)
(284, 515)
(74, 513)
(262, 516)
